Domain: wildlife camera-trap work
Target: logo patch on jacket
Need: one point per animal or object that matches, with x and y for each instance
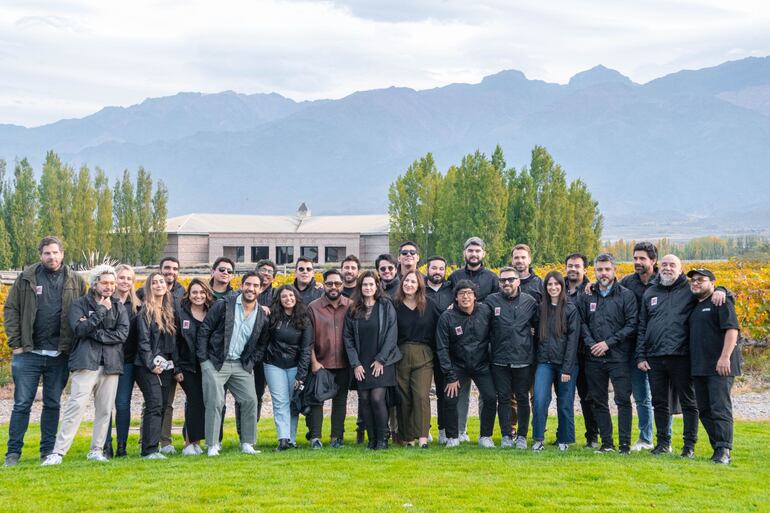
(653, 301)
(38, 289)
(186, 324)
(592, 307)
(459, 330)
(497, 311)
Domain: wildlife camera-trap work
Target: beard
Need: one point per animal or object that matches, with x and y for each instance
(332, 294)
(436, 279)
(667, 281)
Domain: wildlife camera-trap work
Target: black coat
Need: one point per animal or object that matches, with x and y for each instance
(290, 347)
(512, 320)
(533, 285)
(484, 279)
(391, 287)
(129, 346)
(311, 292)
(462, 340)
(443, 297)
(152, 342)
(611, 319)
(187, 327)
(663, 319)
(387, 341)
(562, 350)
(99, 337)
(216, 331)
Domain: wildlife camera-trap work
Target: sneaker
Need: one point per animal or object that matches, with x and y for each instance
(249, 449)
(168, 449)
(154, 456)
(624, 449)
(605, 449)
(452, 442)
(190, 451)
(52, 459)
(96, 455)
(12, 459)
(442, 436)
(641, 445)
(538, 446)
(315, 443)
(464, 437)
(592, 444)
(506, 442)
(661, 449)
(688, 452)
(563, 447)
(213, 450)
(721, 456)
(521, 442)
(486, 442)
(337, 443)
(197, 448)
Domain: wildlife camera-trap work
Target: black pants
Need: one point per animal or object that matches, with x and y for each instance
(586, 404)
(483, 381)
(599, 376)
(673, 371)
(715, 408)
(194, 410)
(509, 382)
(373, 409)
(438, 379)
(155, 389)
(259, 385)
(339, 407)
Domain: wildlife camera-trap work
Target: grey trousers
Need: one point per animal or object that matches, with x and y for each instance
(241, 384)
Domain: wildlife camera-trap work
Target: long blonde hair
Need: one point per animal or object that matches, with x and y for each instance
(135, 303)
(159, 312)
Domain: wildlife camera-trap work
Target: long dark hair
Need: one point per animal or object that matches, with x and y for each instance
(299, 317)
(357, 306)
(419, 295)
(560, 320)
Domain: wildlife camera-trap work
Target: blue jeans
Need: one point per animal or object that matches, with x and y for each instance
(122, 405)
(640, 388)
(27, 369)
(548, 375)
(281, 384)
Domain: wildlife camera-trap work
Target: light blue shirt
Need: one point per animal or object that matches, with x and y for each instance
(604, 293)
(242, 328)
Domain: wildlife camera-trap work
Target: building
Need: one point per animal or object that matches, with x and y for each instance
(201, 238)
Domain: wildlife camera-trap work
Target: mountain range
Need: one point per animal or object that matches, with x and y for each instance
(683, 155)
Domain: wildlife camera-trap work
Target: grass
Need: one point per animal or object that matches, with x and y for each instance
(407, 480)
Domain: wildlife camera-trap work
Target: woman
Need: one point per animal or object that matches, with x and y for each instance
(126, 294)
(156, 352)
(557, 367)
(190, 314)
(371, 342)
(417, 317)
(287, 359)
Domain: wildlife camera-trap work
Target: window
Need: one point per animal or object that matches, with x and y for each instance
(234, 253)
(310, 252)
(259, 253)
(335, 253)
(284, 255)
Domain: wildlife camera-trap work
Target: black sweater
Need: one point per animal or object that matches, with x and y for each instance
(416, 327)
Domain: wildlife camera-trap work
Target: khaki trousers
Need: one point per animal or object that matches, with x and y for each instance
(414, 374)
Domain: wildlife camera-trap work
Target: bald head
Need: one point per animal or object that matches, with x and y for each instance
(670, 269)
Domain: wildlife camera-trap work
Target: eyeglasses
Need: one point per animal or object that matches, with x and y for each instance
(466, 293)
(304, 269)
(333, 284)
(385, 268)
(507, 280)
(702, 279)
(266, 270)
(408, 251)
(225, 270)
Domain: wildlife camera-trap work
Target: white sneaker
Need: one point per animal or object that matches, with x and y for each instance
(452, 442)
(168, 449)
(96, 455)
(52, 459)
(197, 448)
(563, 447)
(442, 436)
(189, 451)
(641, 445)
(154, 456)
(464, 437)
(538, 447)
(506, 442)
(486, 442)
(249, 449)
(213, 450)
(521, 442)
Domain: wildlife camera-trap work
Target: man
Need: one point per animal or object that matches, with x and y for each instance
(474, 270)
(408, 257)
(521, 260)
(714, 361)
(462, 345)
(390, 281)
(576, 265)
(327, 315)
(350, 268)
(304, 281)
(222, 273)
(266, 269)
(513, 315)
(40, 336)
(100, 326)
(231, 341)
(609, 321)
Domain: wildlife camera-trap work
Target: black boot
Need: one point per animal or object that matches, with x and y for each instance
(721, 456)
(381, 444)
(359, 437)
(121, 453)
(283, 444)
(107, 451)
(372, 443)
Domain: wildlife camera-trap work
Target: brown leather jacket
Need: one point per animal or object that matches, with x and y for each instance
(328, 323)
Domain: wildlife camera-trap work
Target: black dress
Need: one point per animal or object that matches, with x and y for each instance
(368, 330)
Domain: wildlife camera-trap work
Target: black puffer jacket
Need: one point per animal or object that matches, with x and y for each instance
(290, 346)
(663, 320)
(462, 340)
(611, 319)
(99, 337)
(484, 279)
(512, 320)
(388, 352)
(186, 335)
(562, 350)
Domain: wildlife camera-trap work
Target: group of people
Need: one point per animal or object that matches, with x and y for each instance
(389, 334)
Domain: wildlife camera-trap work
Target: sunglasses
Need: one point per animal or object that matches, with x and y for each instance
(507, 280)
(408, 251)
(225, 270)
(333, 284)
(304, 269)
(385, 268)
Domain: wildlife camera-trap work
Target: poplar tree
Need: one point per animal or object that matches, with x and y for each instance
(412, 205)
(21, 215)
(103, 235)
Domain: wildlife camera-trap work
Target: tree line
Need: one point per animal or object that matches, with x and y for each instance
(744, 247)
(126, 222)
(484, 197)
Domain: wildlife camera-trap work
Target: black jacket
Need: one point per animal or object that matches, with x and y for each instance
(266, 297)
(290, 347)
(391, 287)
(532, 285)
(215, 332)
(129, 346)
(443, 297)
(611, 319)
(562, 350)
(187, 328)
(311, 292)
(512, 320)
(152, 342)
(100, 337)
(387, 341)
(462, 340)
(484, 279)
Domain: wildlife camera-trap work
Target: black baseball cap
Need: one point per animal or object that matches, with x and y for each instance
(703, 272)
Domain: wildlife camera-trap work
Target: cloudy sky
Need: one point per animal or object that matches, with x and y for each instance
(62, 59)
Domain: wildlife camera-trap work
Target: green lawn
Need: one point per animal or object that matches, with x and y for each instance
(407, 480)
